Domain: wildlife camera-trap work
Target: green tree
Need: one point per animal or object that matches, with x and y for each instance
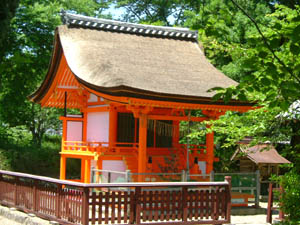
(27, 57)
(7, 12)
(171, 12)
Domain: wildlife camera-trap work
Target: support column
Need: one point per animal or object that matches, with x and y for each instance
(87, 171)
(113, 118)
(62, 167)
(142, 159)
(82, 172)
(209, 152)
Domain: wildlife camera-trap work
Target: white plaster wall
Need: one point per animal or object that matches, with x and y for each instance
(74, 131)
(114, 165)
(98, 126)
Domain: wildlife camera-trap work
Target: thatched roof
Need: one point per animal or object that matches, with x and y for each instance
(260, 154)
(125, 59)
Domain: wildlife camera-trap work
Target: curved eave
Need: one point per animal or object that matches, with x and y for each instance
(38, 95)
(124, 91)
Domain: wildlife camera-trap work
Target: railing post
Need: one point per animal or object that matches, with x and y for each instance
(127, 176)
(138, 205)
(182, 176)
(228, 179)
(58, 201)
(1, 179)
(93, 173)
(257, 188)
(16, 191)
(212, 176)
(270, 203)
(109, 177)
(184, 203)
(85, 206)
(35, 184)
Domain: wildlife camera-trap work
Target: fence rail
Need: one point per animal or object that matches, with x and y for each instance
(242, 183)
(117, 203)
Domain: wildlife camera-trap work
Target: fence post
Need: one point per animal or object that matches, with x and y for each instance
(257, 188)
(127, 176)
(16, 191)
(270, 203)
(184, 203)
(137, 205)
(85, 206)
(93, 177)
(228, 179)
(58, 200)
(182, 176)
(212, 176)
(108, 177)
(35, 184)
(1, 178)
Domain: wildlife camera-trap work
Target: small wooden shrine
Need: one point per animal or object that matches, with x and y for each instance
(133, 85)
(262, 157)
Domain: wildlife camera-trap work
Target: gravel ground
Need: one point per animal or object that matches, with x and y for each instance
(5, 221)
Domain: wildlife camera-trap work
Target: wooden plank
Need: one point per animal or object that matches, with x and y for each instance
(119, 206)
(179, 205)
(197, 201)
(138, 205)
(173, 204)
(184, 203)
(168, 205)
(163, 200)
(207, 204)
(156, 203)
(106, 207)
(144, 207)
(125, 206)
(132, 208)
(150, 202)
(93, 207)
(113, 207)
(100, 204)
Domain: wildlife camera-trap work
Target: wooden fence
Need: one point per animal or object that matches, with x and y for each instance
(117, 203)
(270, 204)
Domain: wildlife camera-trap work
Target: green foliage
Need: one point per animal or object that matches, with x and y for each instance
(161, 11)
(224, 32)
(290, 197)
(273, 64)
(26, 61)
(18, 154)
(7, 12)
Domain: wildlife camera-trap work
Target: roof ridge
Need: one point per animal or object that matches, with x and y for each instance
(119, 26)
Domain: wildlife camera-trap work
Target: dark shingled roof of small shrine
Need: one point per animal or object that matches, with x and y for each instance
(134, 60)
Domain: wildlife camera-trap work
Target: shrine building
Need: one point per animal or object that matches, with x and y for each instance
(133, 84)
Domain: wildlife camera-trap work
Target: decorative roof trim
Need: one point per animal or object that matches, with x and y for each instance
(124, 27)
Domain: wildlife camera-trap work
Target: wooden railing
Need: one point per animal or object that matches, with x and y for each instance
(124, 203)
(82, 147)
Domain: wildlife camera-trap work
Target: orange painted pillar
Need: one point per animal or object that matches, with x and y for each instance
(62, 175)
(87, 171)
(142, 155)
(175, 140)
(113, 119)
(209, 152)
(84, 126)
(82, 170)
